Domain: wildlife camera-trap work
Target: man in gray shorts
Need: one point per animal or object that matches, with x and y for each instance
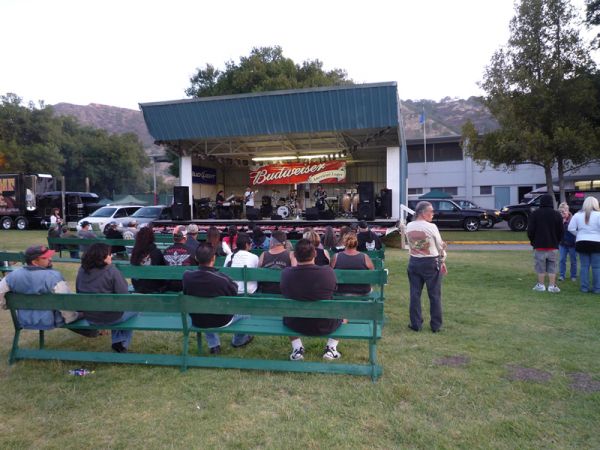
(545, 231)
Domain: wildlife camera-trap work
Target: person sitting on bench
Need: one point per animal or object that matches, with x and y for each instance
(309, 282)
(208, 282)
(38, 277)
(97, 275)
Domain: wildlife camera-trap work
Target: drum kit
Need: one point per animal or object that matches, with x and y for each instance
(287, 207)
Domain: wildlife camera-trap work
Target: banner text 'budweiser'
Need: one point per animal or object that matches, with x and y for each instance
(293, 173)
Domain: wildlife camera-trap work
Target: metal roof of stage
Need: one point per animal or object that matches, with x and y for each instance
(295, 122)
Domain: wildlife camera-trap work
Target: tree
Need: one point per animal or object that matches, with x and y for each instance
(34, 140)
(265, 69)
(541, 90)
(592, 16)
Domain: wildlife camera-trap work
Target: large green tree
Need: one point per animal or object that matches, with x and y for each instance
(34, 140)
(265, 69)
(541, 89)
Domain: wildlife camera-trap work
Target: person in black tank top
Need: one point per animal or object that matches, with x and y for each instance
(278, 258)
(322, 258)
(352, 259)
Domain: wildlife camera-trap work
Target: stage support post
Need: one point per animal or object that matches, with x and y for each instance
(185, 177)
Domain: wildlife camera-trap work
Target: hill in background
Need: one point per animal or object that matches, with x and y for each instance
(444, 118)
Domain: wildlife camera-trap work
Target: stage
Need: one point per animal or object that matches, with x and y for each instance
(379, 226)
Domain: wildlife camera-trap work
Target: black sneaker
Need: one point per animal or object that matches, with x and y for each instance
(215, 350)
(250, 339)
(413, 328)
(119, 347)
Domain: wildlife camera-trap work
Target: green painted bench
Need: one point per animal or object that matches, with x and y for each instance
(10, 258)
(169, 313)
(376, 278)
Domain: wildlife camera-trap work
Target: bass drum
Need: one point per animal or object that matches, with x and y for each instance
(284, 211)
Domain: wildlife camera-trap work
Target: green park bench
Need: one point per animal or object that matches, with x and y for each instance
(170, 313)
(10, 261)
(376, 278)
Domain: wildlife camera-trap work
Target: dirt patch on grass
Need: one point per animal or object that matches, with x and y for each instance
(518, 373)
(583, 382)
(452, 361)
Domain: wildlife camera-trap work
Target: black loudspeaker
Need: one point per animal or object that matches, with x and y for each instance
(386, 203)
(180, 212)
(312, 214)
(266, 211)
(181, 195)
(276, 217)
(253, 214)
(366, 200)
(326, 215)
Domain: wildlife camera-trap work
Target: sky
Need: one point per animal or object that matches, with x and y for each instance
(126, 52)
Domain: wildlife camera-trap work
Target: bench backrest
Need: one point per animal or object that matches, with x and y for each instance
(178, 303)
(12, 257)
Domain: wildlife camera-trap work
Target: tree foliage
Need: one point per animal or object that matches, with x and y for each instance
(542, 90)
(34, 140)
(265, 69)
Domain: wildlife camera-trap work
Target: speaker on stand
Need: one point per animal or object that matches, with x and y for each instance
(366, 200)
(386, 203)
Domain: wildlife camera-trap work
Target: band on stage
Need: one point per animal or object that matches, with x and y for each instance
(287, 204)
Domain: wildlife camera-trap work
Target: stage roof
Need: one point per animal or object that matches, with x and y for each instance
(291, 122)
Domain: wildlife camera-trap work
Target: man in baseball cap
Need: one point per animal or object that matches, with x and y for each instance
(192, 238)
(37, 277)
(178, 255)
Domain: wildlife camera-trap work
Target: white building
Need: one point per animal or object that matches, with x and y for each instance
(445, 168)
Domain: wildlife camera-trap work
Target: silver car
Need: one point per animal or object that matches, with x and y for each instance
(110, 213)
(149, 214)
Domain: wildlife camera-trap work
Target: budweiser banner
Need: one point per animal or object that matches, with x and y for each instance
(292, 173)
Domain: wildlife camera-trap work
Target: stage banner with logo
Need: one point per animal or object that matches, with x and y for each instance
(204, 175)
(292, 173)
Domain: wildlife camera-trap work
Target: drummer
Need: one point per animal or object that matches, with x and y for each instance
(320, 194)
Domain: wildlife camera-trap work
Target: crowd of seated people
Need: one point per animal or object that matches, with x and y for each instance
(312, 259)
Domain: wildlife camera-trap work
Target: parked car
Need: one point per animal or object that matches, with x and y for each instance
(110, 213)
(448, 214)
(493, 215)
(149, 214)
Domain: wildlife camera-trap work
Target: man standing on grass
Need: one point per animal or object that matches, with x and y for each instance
(545, 231)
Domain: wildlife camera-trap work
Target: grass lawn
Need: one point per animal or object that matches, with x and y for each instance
(512, 368)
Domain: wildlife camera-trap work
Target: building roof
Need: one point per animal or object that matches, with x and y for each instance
(301, 121)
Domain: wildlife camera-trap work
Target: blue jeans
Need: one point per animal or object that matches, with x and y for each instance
(123, 336)
(562, 265)
(587, 261)
(212, 339)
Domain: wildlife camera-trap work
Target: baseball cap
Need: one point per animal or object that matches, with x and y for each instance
(85, 223)
(192, 228)
(36, 251)
(363, 224)
(179, 232)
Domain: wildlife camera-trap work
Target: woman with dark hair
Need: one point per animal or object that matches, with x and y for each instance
(231, 239)
(145, 253)
(328, 238)
(213, 237)
(351, 259)
(97, 275)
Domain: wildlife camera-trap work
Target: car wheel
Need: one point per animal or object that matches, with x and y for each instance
(21, 223)
(7, 223)
(518, 223)
(487, 223)
(471, 224)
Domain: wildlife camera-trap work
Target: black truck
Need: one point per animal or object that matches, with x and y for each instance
(27, 201)
(517, 216)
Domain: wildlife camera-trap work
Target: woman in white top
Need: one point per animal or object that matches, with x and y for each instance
(242, 257)
(425, 266)
(585, 225)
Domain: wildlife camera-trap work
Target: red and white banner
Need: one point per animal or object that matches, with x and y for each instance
(292, 173)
